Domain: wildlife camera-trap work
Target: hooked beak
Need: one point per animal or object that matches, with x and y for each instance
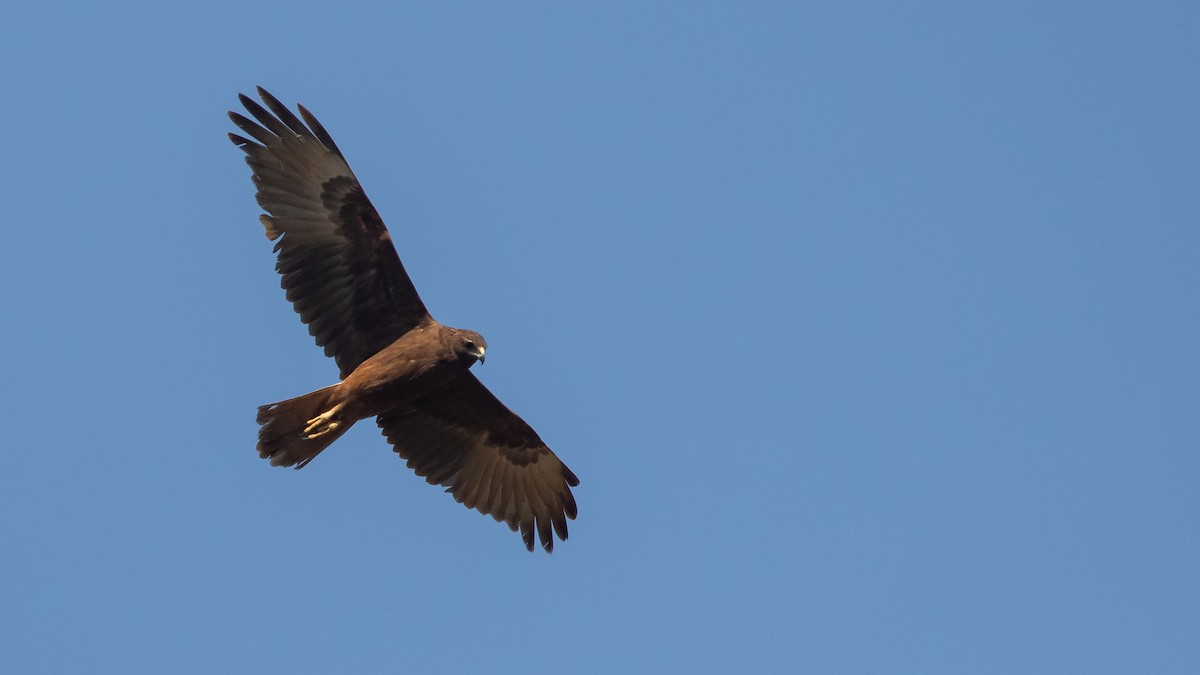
(481, 356)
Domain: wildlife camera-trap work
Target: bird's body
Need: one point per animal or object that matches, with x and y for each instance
(341, 272)
(423, 360)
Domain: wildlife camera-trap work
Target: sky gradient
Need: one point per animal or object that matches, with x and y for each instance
(871, 332)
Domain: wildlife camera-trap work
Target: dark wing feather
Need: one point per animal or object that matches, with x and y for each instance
(489, 459)
(340, 269)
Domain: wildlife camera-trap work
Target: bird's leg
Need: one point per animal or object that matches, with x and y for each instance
(323, 423)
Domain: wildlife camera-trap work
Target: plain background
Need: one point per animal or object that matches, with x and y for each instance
(871, 330)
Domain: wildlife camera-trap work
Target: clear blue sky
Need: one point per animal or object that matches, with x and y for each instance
(871, 331)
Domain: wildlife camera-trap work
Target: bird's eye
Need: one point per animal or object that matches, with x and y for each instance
(470, 345)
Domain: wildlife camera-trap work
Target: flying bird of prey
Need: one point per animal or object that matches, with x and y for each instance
(342, 275)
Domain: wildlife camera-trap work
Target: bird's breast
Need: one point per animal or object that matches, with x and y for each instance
(396, 375)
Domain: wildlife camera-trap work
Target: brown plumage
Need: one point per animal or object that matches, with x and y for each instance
(342, 274)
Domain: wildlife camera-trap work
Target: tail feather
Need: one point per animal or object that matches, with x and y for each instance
(281, 434)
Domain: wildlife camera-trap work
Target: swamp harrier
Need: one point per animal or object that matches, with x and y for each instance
(342, 275)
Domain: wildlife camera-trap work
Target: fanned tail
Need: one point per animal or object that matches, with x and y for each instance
(285, 437)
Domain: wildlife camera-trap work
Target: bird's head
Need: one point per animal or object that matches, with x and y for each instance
(470, 346)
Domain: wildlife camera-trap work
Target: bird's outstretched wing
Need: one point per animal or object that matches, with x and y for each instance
(339, 266)
(487, 457)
